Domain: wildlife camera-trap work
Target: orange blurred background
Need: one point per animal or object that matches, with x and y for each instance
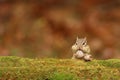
(48, 28)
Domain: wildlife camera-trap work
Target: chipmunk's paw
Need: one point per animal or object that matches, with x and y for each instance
(88, 57)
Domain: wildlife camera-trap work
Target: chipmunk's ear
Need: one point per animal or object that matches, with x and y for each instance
(77, 38)
(85, 38)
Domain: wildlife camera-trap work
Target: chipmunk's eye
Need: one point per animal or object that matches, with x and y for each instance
(84, 43)
(76, 43)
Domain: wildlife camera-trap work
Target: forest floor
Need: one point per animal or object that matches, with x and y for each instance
(17, 68)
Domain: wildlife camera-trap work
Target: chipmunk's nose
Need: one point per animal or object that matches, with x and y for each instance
(80, 48)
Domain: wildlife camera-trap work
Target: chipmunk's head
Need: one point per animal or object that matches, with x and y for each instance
(80, 44)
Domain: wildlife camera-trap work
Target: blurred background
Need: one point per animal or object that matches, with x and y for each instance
(48, 28)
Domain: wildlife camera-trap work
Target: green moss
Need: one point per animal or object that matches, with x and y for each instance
(16, 68)
(63, 76)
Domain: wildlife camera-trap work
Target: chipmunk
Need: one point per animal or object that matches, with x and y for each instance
(81, 50)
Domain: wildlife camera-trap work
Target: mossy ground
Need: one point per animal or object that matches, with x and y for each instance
(16, 68)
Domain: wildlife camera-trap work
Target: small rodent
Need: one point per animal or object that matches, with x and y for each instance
(81, 50)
